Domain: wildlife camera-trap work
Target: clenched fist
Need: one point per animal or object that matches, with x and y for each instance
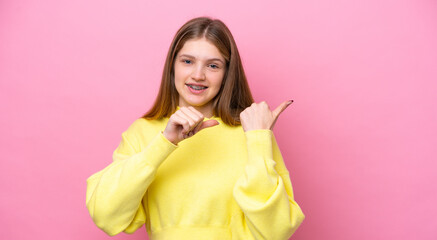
(184, 123)
(259, 116)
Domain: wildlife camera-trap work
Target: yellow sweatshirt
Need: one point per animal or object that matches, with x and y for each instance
(222, 183)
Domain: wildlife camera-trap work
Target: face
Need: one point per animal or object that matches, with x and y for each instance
(198, 71)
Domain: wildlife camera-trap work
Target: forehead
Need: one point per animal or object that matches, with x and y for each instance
(201, 49)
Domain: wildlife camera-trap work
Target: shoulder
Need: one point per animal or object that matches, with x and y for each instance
(142, 124)
(142, 130)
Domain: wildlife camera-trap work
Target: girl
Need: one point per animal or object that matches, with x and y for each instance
(203, 163)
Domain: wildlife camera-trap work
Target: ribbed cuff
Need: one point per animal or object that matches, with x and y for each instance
(259, 143)
(159, 148)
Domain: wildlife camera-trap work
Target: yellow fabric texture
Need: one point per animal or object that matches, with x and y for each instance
(222, 183)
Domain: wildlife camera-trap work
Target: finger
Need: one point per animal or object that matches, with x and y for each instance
(200, 115)
(264, 104)
(195, 111)
(197, 128)
(190, 121)
(208, 123)
(183, 123)
(196, 116)
(188, 135)
(183, 112)
(190, 113)
(281, 108)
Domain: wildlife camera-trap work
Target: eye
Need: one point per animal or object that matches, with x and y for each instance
(214, 66)
(186, 61)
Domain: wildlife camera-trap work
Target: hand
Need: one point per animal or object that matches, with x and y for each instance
(184, 123)
(259, 116)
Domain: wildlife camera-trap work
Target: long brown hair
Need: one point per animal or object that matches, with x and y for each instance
(234, 95)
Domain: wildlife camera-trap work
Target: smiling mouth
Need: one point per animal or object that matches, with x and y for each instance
(195, 87)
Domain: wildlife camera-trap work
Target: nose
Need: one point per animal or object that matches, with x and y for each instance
(198, 73)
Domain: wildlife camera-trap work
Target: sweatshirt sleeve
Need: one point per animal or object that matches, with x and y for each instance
(264, 193)
(114, 195)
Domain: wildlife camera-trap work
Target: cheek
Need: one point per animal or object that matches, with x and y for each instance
(178, 81)
(217, 80)
(179, 74)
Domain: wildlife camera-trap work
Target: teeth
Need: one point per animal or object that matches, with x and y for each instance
(196, 87)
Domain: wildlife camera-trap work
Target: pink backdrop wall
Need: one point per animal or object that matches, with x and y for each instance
(359, 140)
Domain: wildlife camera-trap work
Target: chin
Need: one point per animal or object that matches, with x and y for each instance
(198, 103)
(195, 104)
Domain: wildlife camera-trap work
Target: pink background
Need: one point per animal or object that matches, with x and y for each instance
(359, 140)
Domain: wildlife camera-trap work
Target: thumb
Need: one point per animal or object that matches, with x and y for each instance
(281, 108)
(278, 111)
(208, 123)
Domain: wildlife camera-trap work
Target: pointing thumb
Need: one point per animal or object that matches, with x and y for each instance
(208, 123)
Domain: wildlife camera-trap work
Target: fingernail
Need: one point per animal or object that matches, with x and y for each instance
(290, 101)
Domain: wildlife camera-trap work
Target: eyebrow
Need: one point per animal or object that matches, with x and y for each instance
(210, 59)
